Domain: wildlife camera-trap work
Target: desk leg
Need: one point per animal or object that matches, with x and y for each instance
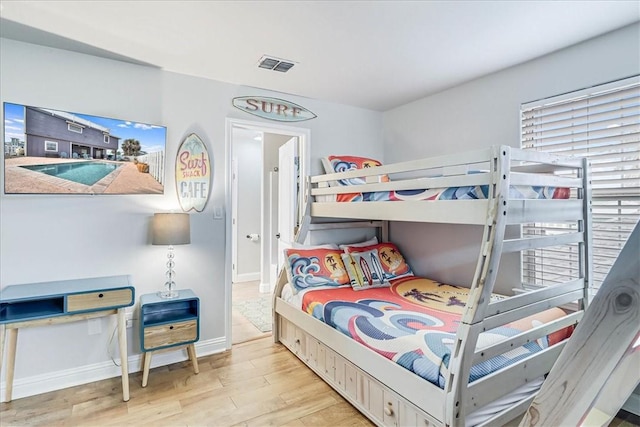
(124, 362)
(191, 349)
(3, 330)
(146, 364)
(12, 340)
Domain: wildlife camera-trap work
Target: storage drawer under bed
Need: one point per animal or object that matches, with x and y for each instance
(376, 401)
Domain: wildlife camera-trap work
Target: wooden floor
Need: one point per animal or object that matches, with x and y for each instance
(242, 330)
(257, 383)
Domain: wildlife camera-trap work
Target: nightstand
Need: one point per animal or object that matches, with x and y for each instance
(168, 324)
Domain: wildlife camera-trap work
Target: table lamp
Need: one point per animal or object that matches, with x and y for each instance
(170, 229)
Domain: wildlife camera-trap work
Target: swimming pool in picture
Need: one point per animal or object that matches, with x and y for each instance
(83, 173)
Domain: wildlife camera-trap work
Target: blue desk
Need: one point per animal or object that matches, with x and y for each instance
(50, 303)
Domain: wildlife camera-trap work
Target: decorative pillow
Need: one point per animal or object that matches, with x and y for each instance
(309, 268)
(370, 242)
(334, 164)
(365, 270)
(393, 263)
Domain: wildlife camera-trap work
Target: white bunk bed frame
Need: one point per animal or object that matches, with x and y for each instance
(389, 394)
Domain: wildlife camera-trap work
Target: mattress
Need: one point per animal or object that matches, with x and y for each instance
(413, 323)
(451, 193)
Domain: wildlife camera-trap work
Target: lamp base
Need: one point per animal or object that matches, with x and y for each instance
(168, 294)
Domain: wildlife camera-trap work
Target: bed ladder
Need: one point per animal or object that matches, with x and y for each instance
(599, 367)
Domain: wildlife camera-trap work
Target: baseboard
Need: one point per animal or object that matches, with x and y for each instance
(247, 277)
(264, 287)
(44, 383)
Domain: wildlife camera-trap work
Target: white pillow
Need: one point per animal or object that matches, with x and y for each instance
(297, 245)
(371, 241)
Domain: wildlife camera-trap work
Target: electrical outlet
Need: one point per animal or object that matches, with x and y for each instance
(95, 326)
(128, 316)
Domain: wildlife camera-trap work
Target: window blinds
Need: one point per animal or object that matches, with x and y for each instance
(603, 124)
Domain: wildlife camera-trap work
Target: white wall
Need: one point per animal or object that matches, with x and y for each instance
(485, 112)
(46, 238)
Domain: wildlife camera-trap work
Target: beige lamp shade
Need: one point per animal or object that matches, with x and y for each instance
(171, 229)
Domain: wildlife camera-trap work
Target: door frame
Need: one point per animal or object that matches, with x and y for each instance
(304, 141)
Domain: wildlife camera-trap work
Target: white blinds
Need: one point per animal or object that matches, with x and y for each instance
(603, 124)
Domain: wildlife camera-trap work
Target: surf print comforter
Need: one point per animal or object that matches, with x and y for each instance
(413, 323)
(451, 193)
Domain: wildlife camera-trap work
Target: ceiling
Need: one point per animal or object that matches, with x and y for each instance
(371, 54)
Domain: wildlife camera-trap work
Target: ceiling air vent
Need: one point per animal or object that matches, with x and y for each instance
(275, 64)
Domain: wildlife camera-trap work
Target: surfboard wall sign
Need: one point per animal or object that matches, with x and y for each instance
(193, 174)
(273, 108)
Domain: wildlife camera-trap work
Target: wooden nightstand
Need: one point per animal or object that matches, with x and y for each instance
(168, 324)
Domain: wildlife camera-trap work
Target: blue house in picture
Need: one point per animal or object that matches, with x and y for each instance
(51, 133)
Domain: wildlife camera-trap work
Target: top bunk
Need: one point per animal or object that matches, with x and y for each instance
(465, 188)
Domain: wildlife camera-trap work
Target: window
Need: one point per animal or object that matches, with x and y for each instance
(602, 124)
(74, 127)
(106, 138)
(51, 146)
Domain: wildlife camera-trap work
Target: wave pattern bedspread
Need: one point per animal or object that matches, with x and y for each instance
(453, 193)
(413, 323)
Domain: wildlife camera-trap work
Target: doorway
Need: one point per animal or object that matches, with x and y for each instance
(252, 193)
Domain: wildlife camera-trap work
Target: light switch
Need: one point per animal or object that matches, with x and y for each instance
(217, 212)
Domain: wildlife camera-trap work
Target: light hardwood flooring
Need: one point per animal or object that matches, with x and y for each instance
(242, 330)
(255, 384)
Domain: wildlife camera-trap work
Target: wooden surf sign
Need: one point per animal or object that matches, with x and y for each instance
(193, 174)
(272, 108)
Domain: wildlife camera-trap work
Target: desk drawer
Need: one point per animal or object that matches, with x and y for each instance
(97, 300)
(170, 334)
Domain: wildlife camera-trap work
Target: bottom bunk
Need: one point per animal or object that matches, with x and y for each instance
(406, 350)
(413, 322)
(387, 393)
(378, 348)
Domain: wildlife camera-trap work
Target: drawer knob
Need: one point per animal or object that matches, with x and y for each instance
(170, 327)
(388, 409)
(100, 295)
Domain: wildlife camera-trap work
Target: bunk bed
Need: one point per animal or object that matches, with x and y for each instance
(492, 189)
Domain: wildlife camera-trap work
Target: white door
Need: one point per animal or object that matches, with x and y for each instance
(288, 171)
(246, 207)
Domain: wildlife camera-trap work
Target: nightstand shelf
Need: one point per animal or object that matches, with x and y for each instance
(170, 311)
(168, 324)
